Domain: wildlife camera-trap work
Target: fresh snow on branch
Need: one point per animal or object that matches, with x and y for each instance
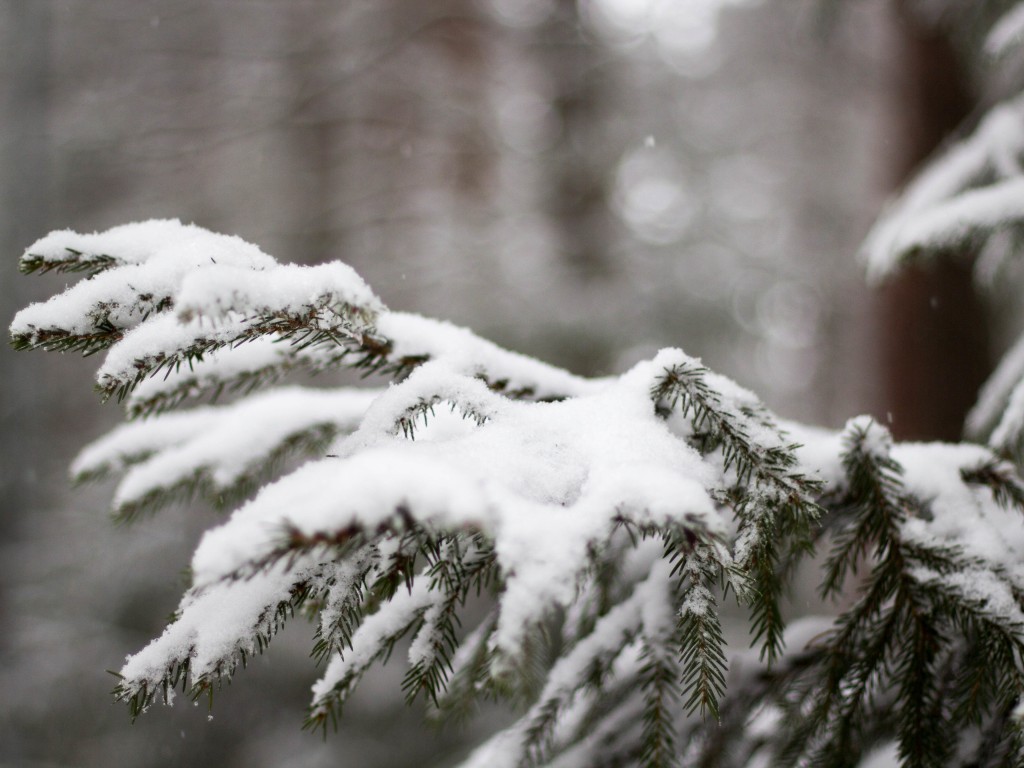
(218, 450)
(183, 312)
(415, 337)
(158, 307)
(571, 468)
(136, 243)
(603, 521)
(969, 192)
(1007, 33)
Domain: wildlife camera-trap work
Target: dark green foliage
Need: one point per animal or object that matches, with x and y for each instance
(774, 502)
(927, 655)
(459, 566)
(919, 654)
(659, 682)
(75, 262)
(699, 629)
(333, 326)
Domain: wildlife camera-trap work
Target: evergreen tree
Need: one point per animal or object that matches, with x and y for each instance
(563, 543)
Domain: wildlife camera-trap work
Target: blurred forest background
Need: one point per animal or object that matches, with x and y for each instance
(581, 181)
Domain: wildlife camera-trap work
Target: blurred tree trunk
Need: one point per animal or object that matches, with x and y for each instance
(933, 329)
(24, 194)
(578, 195)
(312, 134)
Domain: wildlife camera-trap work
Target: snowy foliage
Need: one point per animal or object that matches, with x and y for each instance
(561, 542)
(966, 200)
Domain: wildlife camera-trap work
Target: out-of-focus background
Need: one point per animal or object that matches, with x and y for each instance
(582, 181)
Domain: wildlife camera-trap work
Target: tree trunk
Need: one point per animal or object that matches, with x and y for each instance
(24, 194)
(933, 330)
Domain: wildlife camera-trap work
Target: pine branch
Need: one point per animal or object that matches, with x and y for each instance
(985, 611)
(773, 501)
(175, 345)
(658, 682)
(589, 660)
(234, 369)
(1001, 479)
(199, 657)
(469, 674)
(457, 568)
(423, 411)
(599, 531)
(875, 504)
(373, 641)
(221, 454)
(924, 738)
(862, 644)
(612, 735)
(700, 636)
(72, 263)
(755, 692)
(922, 600)
(992, 406)
(345, 601)
(961, 198)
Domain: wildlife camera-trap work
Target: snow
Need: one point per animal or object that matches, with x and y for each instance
(1008, 432)
(966, 201)
(975, 183)
(948, 223)
(1006, 33)
(156, 266)
(463, 351)
(886, 755)
(122, 297)
(346, 589)
(981, 588)
(1018, 711)
(158, 339)
(571, 468)
(506, 748)
(262, 359)
(875, 440)
(219, 444)
(647, 607)
(222, 290)
(961, 516)
(177, 294)
(737, 402)
(130, 443)
(500, 751)
(219, 305)
(411, 336)
(433, 382)
(568, 468)
(545, 464)
(421, 650)
(215, 624)
(126, 244)
(765, 722)
(804, 632)
(818, 451)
